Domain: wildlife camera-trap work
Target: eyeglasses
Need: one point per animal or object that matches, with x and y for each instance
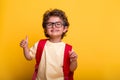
(56, 24)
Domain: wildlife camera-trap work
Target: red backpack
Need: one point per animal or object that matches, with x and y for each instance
(68, 75)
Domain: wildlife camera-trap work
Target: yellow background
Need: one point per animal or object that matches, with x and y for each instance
(94, 33)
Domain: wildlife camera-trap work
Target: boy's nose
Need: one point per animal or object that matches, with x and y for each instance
(53, 26)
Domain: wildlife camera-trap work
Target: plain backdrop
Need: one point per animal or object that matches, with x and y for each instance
(94, 33)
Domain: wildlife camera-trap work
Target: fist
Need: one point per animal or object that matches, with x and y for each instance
(73, 56)
(24, 43)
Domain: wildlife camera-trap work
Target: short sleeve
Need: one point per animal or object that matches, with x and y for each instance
(33, 50)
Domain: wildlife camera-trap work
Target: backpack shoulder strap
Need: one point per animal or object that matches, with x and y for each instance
(40, 48)
(68, 75)
(39, 51)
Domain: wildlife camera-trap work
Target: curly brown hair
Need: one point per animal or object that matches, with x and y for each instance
(58, 13)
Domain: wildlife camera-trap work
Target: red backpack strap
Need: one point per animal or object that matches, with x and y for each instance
(39, 51)
(68, 75)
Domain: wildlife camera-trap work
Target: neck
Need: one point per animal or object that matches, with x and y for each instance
(55, 40)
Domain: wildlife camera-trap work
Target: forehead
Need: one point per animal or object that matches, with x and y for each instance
(54, 19)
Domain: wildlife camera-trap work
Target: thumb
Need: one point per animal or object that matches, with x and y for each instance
(26, 39)
(70, 53)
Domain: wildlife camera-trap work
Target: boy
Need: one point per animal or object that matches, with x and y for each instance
(51, 64)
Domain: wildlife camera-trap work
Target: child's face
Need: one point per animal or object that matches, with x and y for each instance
(55, 27)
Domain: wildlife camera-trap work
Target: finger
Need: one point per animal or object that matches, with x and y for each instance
(23, 42)
(21, 45)
(73, 55)
(73, 58)
(26, 39)
(70, 53)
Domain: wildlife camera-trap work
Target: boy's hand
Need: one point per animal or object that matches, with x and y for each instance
(73, 61)
(73, 56)
(24, 43)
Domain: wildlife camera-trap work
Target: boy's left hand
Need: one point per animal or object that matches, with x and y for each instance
(73, 56)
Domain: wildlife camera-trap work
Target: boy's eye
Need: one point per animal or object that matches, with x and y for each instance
(58, 24)
(49, 24)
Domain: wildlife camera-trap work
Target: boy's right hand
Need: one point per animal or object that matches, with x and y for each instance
(24, 43)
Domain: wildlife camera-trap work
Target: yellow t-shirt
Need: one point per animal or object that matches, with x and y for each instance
(51, 64)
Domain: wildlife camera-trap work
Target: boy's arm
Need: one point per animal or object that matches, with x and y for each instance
(73, 61)
(26, 53)
(26, 50)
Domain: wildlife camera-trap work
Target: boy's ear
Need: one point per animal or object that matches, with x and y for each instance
(65, 29)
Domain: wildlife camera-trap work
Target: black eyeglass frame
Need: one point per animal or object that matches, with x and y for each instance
(56, 24)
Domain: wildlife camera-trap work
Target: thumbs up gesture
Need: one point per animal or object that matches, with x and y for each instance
(73, 60)
(24, 43)
(73, 56)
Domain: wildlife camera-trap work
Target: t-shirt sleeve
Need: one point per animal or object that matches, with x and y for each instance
(33, 50)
